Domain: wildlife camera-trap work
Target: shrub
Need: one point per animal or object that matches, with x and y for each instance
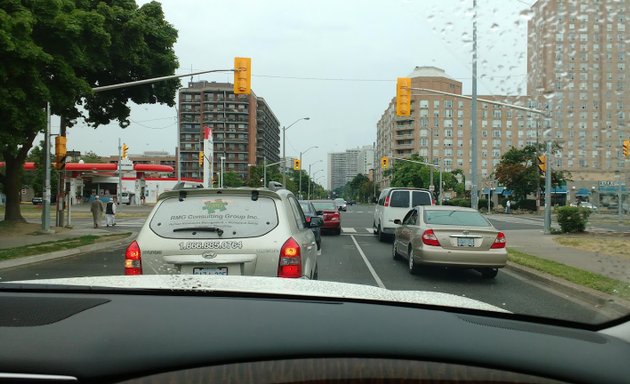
(458, 202)
(483, 204)
(527, 205)
(573, 219)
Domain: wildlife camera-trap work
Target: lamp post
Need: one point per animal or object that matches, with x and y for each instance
(315, 181)
(284, 145)
(311, 182)
(300, 178)
(310, 177)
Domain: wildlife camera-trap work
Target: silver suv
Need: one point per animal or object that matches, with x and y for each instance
(232, 231)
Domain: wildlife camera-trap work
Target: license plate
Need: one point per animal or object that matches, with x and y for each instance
(210, 271)
(465, 242)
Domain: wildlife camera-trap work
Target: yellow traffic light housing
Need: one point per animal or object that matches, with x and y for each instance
(60, 151)
(125, 148)
(403, 96)
(242, 75)
(200, 158)
(384, 162)
(296, 165)
(626, 148)
(542, 163)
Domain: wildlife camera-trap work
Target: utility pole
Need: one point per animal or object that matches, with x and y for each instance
(474, 198)
(46, 208)
(548, 189)
(119, 191)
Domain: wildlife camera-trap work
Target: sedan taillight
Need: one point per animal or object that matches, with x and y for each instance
(429, 238)
(499, 242)
(133, 260)
(290, 262)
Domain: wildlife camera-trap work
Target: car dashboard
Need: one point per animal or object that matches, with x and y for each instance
(151, 336)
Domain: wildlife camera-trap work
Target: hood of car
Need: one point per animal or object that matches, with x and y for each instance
(265, 285)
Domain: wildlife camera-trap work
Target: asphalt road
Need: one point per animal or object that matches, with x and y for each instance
(358, 257)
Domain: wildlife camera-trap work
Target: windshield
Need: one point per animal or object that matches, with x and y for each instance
(517, 109)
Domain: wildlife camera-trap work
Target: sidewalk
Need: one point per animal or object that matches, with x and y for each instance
(535, 243)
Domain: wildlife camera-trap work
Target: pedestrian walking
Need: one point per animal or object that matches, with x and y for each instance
(110, 213)
(508, 206)
(97, 209)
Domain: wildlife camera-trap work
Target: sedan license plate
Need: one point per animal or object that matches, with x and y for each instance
(465, 242)
(210, 271)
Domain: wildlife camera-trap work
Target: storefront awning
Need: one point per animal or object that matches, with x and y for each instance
(582, 192)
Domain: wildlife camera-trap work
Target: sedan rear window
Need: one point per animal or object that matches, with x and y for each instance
(214, 217)
(325, 205)
(461, 218)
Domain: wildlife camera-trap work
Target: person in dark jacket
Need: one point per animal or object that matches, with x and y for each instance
(110, 212)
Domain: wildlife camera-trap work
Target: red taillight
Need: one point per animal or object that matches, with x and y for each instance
(133, 260)
(387, 201)
(290, 263)
(499, 242)
(429, 238)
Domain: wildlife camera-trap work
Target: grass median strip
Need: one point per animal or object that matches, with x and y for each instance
(572, 274)
(57, 245)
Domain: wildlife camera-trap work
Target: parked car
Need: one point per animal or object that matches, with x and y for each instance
(341, 204)
(126, 198)
(394, 203)
(37, 200)
(449, 236)
(586, 204)
(351, 202)
(310, 212)
(231, 231)
(328, 210)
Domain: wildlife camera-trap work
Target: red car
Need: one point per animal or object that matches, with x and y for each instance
(328, 210)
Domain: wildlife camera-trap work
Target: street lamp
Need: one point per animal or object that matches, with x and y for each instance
(315, 181)
(300, 178)
(310, 177)
(284, 154)
(311, 182)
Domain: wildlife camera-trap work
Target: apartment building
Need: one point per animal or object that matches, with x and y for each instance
(577, 69)
(345, 166)
(244, 129)
(439, 126)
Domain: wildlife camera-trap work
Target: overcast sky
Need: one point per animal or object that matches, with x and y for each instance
(333, 61)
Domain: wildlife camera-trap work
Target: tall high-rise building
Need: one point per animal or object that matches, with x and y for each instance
(438, 129)
(576, 63)
(345, 166)
(244, 129)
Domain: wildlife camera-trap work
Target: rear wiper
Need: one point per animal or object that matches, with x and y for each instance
(200, 229)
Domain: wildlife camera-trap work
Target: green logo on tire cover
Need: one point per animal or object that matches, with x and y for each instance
(214, 206)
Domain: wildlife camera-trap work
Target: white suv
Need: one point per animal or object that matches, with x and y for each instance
(232, 231)
(394, 203)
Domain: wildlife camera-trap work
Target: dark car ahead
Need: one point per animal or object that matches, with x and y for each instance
(309, 211)
(332, 218)
(37, 200)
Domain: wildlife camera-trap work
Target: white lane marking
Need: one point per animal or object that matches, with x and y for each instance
(370, 229)
(348, 229)
(372, 271)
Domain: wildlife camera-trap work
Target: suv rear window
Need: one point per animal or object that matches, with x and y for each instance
(234, 216)
(399, 199)
(421, 198)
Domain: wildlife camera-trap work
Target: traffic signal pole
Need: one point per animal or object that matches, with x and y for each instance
(548, 189)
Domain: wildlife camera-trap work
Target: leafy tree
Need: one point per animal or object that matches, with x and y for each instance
(408, 174)
(57, 51)
(35, 178)
(232, 179)
(518, 171)
(91, 157)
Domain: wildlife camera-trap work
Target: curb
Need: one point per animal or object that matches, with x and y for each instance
(610, 305)
(17, 262)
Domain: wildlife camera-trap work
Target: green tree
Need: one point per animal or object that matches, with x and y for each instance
(232, 179)
(518, 171)
(35, 178)
(91, 157)
(57, 51)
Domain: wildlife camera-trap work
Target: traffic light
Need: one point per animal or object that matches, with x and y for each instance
(60, 151)
(626, 148)
(296, 164)
(384, 162)
(242, 75)
(542, 164)
(125, 148)
(200, 158)
(403, 96)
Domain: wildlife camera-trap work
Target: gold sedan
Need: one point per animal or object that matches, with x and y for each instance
(449, 236)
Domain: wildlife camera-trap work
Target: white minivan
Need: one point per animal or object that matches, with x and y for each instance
(394, 203)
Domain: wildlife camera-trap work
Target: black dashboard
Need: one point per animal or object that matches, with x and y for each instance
(148, 336)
